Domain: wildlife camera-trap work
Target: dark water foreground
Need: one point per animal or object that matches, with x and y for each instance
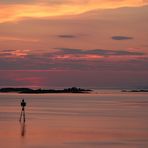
(106, 120)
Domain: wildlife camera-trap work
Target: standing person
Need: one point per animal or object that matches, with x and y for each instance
(23, 104)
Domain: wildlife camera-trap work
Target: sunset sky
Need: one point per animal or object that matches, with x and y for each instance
(64, 43)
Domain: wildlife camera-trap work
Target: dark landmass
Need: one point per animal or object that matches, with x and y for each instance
(136, 90)
(43, 91)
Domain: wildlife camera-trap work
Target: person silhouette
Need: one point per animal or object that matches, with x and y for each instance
(23, 104)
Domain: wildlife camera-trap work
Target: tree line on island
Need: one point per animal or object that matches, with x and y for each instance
(40, 91)
(136, 90)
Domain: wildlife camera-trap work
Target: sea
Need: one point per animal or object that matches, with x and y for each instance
(101, 119)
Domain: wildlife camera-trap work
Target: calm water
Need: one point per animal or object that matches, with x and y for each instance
(109, 119)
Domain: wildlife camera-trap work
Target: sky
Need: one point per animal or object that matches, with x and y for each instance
(65, 43)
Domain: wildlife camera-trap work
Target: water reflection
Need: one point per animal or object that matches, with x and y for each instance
(23, 129)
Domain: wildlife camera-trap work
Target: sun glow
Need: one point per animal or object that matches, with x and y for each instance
(14, 12)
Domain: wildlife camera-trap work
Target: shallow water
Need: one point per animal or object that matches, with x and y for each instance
(109, 119)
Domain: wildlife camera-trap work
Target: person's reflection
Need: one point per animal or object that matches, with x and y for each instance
(23, 129)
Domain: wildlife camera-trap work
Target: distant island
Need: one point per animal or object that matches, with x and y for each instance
(136, 90)
(43, 91)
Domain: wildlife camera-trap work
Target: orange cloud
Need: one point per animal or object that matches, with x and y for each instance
(7, 38)
(14, 53)
(88, 57)
(13, 12)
